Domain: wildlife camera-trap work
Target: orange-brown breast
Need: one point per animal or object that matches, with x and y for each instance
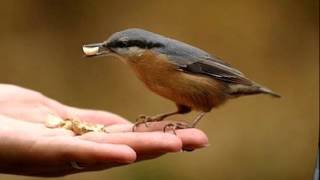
(198, 92)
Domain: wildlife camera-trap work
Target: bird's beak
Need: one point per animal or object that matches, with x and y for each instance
(97, 49)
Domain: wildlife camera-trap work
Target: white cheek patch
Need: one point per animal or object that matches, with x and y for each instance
(131, 51)
(89, 51)
(136, 51)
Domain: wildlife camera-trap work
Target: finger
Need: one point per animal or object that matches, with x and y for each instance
(51, 156)
(66, 149)
(87, 152)
(148, 143)
(92, 116)
(56, 132)
(191, 138)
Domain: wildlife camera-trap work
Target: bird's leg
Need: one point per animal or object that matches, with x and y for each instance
(197, 119)
(181, 125)
(143, 119)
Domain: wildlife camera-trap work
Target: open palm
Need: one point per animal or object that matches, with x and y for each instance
(29, 148)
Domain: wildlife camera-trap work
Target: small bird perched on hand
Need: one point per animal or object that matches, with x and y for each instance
(188, 76)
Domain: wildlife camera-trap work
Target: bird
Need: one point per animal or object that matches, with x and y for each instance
(190, 77)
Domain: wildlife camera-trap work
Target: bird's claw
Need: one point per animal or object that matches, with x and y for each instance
(175, 125)
(142, 119)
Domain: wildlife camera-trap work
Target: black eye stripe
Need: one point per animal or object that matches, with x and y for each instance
(120, 44)
(133, 43)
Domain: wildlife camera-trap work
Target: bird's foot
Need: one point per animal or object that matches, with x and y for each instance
(176, 125)
(143, 119)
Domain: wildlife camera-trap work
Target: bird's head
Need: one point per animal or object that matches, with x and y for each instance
(126, 44)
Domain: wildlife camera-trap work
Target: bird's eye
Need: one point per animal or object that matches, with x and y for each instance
(122, 44)
(137, 43)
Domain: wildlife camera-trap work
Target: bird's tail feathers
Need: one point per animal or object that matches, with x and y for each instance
(268, 91)
(237, 90)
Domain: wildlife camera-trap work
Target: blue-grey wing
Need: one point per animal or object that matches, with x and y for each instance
(193, 60)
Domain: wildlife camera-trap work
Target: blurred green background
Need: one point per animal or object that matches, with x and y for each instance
(274, 42)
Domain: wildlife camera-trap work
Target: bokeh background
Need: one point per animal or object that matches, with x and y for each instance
(274, 42)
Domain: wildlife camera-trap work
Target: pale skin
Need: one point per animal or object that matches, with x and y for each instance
(30, 148)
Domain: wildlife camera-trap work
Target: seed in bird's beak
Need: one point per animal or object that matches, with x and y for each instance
(89, 51)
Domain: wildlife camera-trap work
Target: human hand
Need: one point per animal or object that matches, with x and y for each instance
(29, 148)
